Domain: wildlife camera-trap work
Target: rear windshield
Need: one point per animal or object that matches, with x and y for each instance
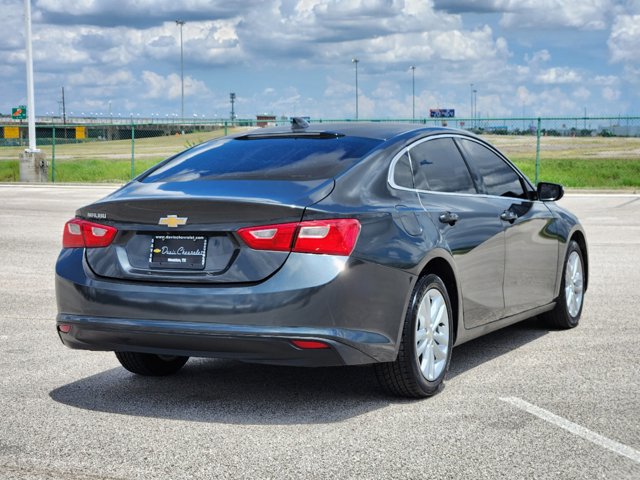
(264, 158)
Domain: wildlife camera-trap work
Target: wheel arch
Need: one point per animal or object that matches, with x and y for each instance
(581, 240)
(442, 268)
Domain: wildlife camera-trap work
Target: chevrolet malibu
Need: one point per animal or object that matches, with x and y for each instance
(320, 245)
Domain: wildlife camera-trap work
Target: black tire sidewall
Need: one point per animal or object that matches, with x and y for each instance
(424, 284)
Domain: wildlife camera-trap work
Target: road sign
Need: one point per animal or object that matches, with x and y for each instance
(442, 113)
(11, 132)
(19, 113)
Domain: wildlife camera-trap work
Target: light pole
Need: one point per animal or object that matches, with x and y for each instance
(471, 102)
(32, 165)
(475, 105)
(31, 107)
(232, 97)
(413, 90)
(180, 23)
(356, 61)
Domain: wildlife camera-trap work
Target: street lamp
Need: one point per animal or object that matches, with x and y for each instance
(475, 105)
(471, 102)
(31, 106)
(356, 61)
(413, 90)
(180, 23)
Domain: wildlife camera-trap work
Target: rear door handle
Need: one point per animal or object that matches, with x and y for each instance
(509, 216)
(448, 217)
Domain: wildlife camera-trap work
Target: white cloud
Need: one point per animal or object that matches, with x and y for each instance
(544, 14)
(610, 94)
(606, 80)
(541, 56)
(158, 86)
(624, 40)
(386, 90)
(558, 75)
(336, 88)
(93, 76)
(582, 93)
(286, 55)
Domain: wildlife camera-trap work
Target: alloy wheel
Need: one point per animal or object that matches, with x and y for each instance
(573, 284)
(432, 334)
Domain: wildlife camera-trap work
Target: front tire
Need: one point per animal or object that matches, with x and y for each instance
(149, 364)
(425, 349)
(566, 313)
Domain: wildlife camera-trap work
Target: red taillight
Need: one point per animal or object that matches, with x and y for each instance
(83, 234)
(329, 237)
(309, 344)
(64, 328)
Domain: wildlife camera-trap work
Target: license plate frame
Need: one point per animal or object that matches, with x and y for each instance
(178, 252)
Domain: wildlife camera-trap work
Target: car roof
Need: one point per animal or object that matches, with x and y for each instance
(374, 130)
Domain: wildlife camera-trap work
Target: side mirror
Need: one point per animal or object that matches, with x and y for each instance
(549, 192)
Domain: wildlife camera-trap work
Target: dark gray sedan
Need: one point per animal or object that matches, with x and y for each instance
(329, 244)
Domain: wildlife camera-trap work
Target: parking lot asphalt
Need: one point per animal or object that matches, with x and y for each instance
(524, 402)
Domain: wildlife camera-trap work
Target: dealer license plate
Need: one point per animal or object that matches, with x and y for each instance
(187, 252)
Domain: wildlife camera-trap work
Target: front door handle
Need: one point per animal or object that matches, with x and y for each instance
(448, 217)
(509, 216)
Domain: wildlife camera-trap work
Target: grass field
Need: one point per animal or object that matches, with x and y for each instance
(578, 162)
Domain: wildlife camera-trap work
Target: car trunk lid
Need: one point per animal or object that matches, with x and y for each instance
(169, 233)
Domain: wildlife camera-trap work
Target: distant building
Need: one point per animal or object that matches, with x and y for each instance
(625, 130)
(265, 120)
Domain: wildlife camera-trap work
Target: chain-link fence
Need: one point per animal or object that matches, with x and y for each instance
(118, 150)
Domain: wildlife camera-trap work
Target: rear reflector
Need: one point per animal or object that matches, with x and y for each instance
(328, 237)
(309, 344)
(269, 237)
(80, 233)
(64, 328)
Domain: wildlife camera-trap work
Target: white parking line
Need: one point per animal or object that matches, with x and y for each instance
(574, 428)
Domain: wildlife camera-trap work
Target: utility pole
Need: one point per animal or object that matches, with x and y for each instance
(64, 109)
(356, 61)
(33, 167)
(181, 23)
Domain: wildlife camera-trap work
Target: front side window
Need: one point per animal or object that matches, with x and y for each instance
(496, 175)
(438, 166)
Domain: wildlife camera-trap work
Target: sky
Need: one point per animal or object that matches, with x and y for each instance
(294, 57)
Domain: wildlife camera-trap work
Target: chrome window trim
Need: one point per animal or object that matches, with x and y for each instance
(407, 149)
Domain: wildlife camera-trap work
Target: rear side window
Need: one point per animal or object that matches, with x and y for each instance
(264, 158)
(496, 175)
(439, 167)
(403, 175)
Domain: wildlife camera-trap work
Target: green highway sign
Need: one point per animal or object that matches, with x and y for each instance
(19, 113)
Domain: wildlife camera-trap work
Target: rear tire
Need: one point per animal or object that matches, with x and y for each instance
(566, 313)
(425, 348)
(149, 364)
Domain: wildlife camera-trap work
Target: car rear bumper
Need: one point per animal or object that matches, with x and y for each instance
(353, 306)
(253, 344)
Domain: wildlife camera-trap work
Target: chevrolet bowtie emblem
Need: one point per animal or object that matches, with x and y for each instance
(172, 221)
